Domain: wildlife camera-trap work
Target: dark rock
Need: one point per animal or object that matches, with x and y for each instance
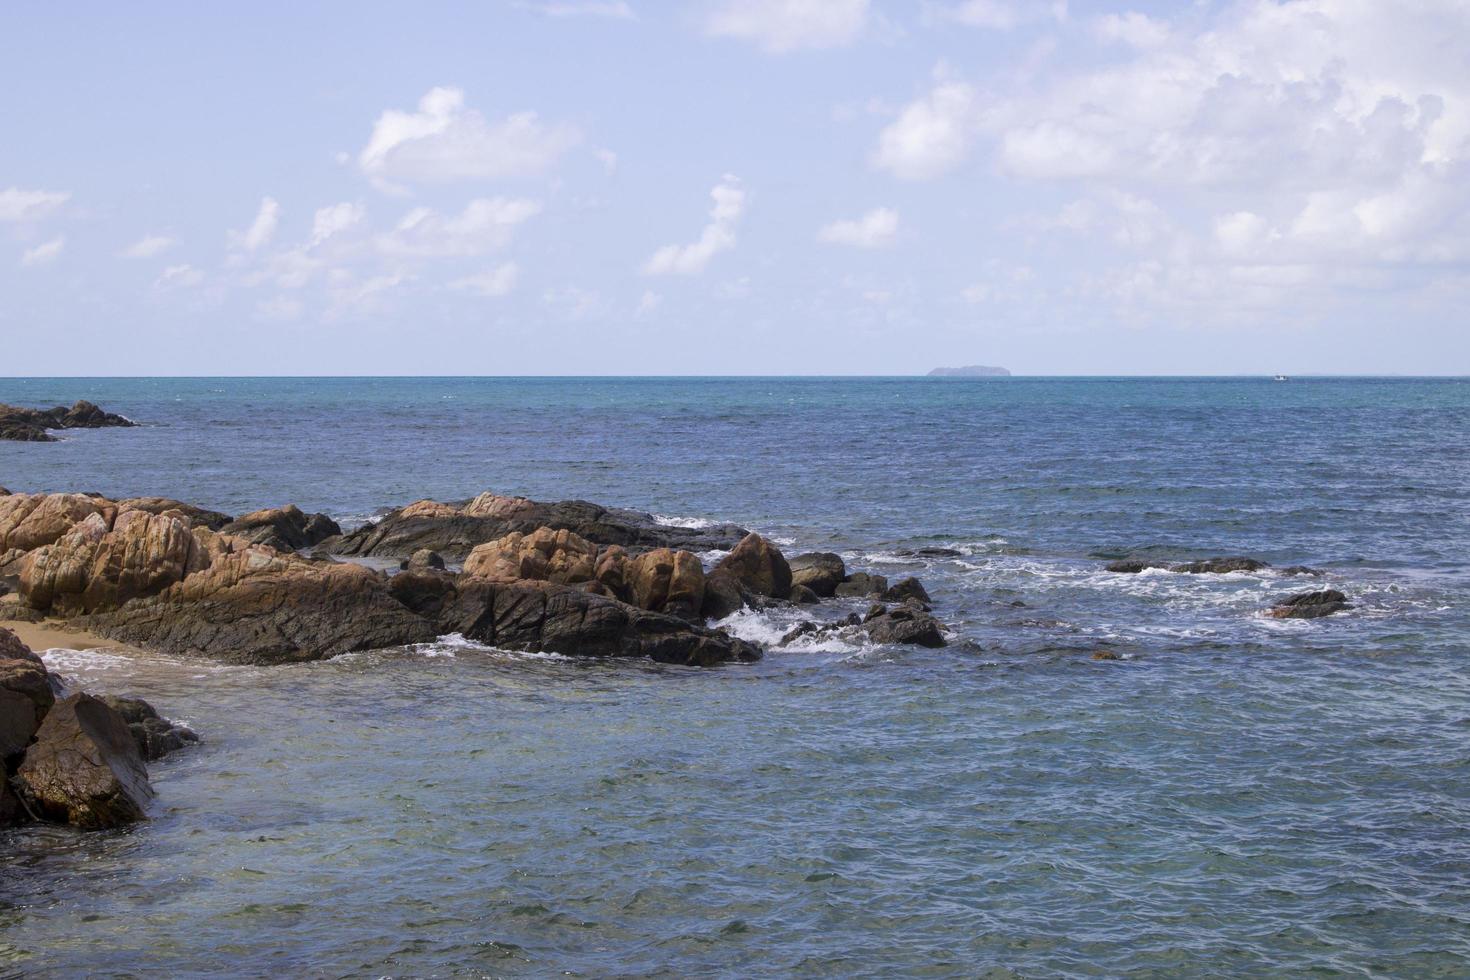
(1302, 570)
(1220, 566)
(421, 559)
(30, 424)
(1310, 605)
(820, 571)
(11, 810)
(154, 735)
(84, 767)
(11, 648)
(193, 516)
(907, 588)
(759, 566)
(25, 699)
(907, 625)
(424, 591)
(454, 529)
(932, 553)
(545, 616)
(860, 585)
(1132, 566)
(803, 596)
(283, 528)
(723, 595)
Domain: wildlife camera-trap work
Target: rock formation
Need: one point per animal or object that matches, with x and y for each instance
(31, 424)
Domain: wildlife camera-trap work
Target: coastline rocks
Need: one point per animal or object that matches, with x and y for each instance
(820, 571)
(1205, 566)
(723, 595)
(25, 698)
(860, 585)
(260, 606)
(758, 566)
(84, 767)
(454, 530)
(421, 560)
(545, 555)
(544, 616)
(283, 528)
(193, 516)
(29, 521)
(154, 735)
(30, 424)
(906, 624)
(905, 589)
(1133, 566)
(666, 581)
(1310, 605)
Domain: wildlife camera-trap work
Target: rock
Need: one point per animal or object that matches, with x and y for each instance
(84, 767)
(260, 606)
(454, 530)
(1220, 566)
(1310, 605)
(283, 528)
(668, 581)
(11, 648)
(1132, 566)
(11, 811)
(1105, 655)
(423, 591)
(860, 585)
(25, 699)
(723, 595)
(543, 555)
(85, 415)
(1302, 570)
(28, 521)
(30, 424)
(932, 553)
(193, 516)
(803, 596)
(905, 624)
(422, 559)
(155, 736)
(759, 566)
(819, 571)
(544, 616)
(907, 588)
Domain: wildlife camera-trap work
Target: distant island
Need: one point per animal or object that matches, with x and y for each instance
(971, 371)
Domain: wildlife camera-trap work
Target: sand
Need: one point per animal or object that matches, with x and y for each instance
(54, 635)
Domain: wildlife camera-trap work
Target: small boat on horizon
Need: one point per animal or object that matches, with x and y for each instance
(1281, 377)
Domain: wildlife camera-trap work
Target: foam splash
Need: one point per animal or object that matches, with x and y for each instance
(766, 627)
(691, 523)
(451, 645)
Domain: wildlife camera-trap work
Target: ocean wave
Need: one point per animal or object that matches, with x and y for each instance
(766, 627)
(691, 523)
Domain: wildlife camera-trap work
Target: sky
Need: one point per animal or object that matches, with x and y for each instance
(570, 187)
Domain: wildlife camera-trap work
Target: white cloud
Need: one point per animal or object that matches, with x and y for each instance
(334, 219)
(931, 136)
(498, 281)
(178, 277)
(779, 26)
(648, 303)
(485, 224)
(877, 227)
(22, 205)
(444, 141)
(44, 253)
(1132, 28)
(262, 229)
(147, 247)
(611, 9)
(717, 236)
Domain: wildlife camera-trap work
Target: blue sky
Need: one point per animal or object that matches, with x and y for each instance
(722, 187)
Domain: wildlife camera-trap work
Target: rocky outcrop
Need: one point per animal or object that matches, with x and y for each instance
(543, 555)
(667, 581)
(1204, 566)
(906, 624)
(545, 616)
(758, 566)
(154, 735)
(30, 520)
(283, 528)
(455, 529)
(906, 589)
(819, 571)
(31, 424)
(1310, 605)
(25, 698)
(84, 767)
(260, 606)
(860, 585)
(421, 560)
(194, 516)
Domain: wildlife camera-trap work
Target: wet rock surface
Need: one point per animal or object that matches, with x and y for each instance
(84, 767)
(1310, 605)
(32, 424)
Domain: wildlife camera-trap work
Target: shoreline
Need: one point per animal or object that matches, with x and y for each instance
(57, 635)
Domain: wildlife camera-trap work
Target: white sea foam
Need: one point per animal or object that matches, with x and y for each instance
(765, 628)
(692, 523)
(451, 645)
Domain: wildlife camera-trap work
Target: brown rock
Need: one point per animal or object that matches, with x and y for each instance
(1310, 605)
(664, 580)
(820, 571)
(860, 585)
(283, 528)
(759, 566)
(723, 595)
(84, 767)
(28, 521)
(544, 555)
(25, 698)
(194, 516)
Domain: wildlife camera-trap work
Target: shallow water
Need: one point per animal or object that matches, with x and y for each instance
(1236, 795)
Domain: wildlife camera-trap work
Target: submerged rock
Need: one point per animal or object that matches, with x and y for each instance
(906, 624)
(154, 735)
(907, 588)
(1133, 566)
(1203, 566)
(860, 585)
(820, 571)
(1310, 605)
(84, 767)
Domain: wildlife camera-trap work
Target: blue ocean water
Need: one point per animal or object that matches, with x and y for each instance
(1235, 795)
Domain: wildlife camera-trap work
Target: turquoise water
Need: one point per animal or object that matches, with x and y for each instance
(1237, 795)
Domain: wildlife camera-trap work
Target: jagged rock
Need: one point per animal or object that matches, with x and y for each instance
(30, 424)
(544, 616)
(28, 521)
(723, 595)
(261, 606)
(423, 559)
(84, 767)
(11, 811)
(759, 566)
(283, 528)
(193, 516)
(667, 581)
(544, 555)
(1220, 566)
(860, 585)
(905, 624)
(11, 648)
(907, 588)
(820, 571)
(454, 530)
(154, 735)
(1302, 570)
(25, 698)
(424, 591)
(1310, 605)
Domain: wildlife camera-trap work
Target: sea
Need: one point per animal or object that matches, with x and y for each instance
(1233, 795)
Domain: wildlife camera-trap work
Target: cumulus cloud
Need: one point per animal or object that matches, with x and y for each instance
(445, 141)
(717, 236)
(19, 205)
(1132, 28)
(147, 247)
(337, 218)
(262, 229)
(932, 135)
(877, 227)
(484, 225)
(498, 281)
(44, 253)
(779, 26)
